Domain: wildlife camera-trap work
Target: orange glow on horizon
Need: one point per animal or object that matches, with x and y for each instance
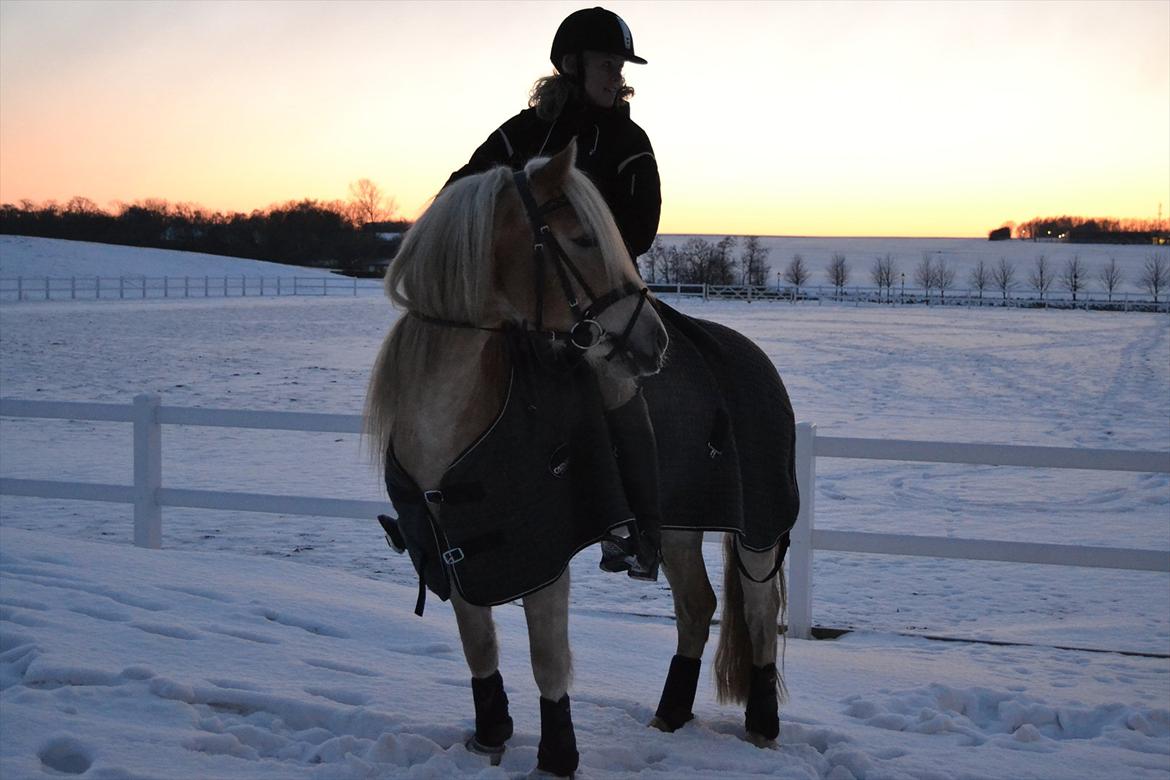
(871, 118)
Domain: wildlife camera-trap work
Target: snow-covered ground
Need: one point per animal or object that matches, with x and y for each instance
(33, 257)
(269, 646)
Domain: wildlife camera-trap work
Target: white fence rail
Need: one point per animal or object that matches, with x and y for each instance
(73, 288)
(805, 537)
(42, 288)
(148, 495)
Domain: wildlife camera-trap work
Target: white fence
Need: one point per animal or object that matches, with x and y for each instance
(909, 296)
(45, 288)
(149, 496)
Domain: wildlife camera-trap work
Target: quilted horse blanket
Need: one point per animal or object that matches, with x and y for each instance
(726, 435)
(542, 482)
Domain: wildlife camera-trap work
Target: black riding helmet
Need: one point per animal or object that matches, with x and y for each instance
(593, 29)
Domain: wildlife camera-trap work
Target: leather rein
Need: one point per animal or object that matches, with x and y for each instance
(586, 332)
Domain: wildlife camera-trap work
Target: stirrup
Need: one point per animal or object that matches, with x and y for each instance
(618, 553)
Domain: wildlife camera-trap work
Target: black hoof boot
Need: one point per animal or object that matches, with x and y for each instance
(678, 694)
(493, 724)
(762, 718)
(557, 753)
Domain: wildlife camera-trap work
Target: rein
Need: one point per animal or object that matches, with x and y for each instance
(586, 332)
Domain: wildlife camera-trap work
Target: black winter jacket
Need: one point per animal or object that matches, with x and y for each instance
(611, 149)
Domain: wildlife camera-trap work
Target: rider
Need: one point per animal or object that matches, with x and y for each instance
(587, 98)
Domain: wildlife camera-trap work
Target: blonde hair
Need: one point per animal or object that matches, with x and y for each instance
(550, 94)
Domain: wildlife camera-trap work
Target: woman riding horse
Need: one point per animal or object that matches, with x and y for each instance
(706, 444)
(586, 99)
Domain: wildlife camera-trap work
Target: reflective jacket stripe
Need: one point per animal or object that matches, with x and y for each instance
(507, 143)
(629, 160)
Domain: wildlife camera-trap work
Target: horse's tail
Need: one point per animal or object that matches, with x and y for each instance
(733, 658)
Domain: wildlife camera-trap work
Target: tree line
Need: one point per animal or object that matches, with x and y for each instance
(699, 261)
(340, 234)
(933, 273)
(1091, 230)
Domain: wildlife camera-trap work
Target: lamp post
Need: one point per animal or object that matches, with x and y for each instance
(903, 297)
(778, 275)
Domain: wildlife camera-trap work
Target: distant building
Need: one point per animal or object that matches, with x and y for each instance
(1000, 234)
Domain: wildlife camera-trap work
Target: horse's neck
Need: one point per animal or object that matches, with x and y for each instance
(458, 398)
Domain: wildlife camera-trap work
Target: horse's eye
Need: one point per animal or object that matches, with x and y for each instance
(585, 242)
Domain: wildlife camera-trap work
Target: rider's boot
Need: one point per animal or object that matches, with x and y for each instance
(635, 547)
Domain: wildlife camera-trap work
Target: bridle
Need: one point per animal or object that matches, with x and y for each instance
(586, 331)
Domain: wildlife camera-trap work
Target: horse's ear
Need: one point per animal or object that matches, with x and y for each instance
(554, 172)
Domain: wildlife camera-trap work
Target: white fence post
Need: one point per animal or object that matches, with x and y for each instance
(800, 549)
(147, 471)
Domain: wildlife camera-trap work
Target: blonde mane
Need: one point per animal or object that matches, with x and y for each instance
(444, 270)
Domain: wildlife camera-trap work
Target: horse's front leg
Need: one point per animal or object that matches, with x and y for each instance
(493, 724)
(547, 613)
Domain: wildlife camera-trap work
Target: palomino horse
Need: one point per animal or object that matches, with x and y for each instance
(466, 277)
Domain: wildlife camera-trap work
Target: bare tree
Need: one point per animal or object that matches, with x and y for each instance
(1155, 275)
(1041, 276)
(368, 204)
(653, 264)
(753, 262)
(882, 273)
(1003, 276)
(838, 272)
(695, 261)
(797, 272)
(722, 268)
(980, 278)
(944, 278)
(1110, 277)
(924, 274)
(1072, 278)
(82, 205)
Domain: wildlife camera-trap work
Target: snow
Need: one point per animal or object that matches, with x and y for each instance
(33, 257)
(281, 647)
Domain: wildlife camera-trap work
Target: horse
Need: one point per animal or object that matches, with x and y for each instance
(469, 280)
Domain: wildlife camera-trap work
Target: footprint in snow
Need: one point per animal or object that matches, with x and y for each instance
(66, 755)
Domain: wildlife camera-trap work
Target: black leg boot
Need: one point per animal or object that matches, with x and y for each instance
(493, 724)
(632, 434)
(678, 694)
(557, 753)
(762, 718)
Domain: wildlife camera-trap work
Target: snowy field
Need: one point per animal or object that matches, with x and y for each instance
(269, 646)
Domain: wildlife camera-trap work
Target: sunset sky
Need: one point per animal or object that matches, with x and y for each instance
(770, 118)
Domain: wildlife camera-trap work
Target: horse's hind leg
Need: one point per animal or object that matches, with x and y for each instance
(747, 653)
(547, 613)
(493, 724)
(694, 604)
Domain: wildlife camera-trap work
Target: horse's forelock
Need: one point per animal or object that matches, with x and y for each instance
(594, 214)
(443, 268)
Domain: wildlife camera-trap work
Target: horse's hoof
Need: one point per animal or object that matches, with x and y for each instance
(544, 774)
(760, 741)
(494, 754)
(658, 723)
